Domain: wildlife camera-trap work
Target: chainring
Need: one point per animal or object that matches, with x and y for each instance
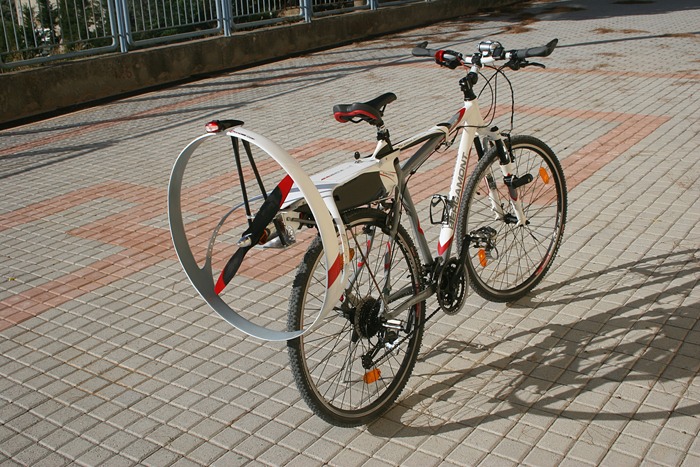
(452, 287)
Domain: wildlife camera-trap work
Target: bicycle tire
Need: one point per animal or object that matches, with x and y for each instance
(521, 255)
(327, 364)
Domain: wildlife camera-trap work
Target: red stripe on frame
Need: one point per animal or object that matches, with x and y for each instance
(443, 248)
(219, 284)
(285, 186)
(334, 271)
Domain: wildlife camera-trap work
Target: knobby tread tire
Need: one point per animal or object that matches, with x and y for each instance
(517, 291)
(310, 392)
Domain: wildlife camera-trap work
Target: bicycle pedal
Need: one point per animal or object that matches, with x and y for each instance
(516, 182)
(484, 234)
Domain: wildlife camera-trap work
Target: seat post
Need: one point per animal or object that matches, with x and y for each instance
(383, 133)
(384, 146)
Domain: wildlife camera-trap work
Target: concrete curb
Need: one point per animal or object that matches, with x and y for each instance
(62, 86)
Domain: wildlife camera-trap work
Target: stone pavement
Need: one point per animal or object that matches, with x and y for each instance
(109, 356)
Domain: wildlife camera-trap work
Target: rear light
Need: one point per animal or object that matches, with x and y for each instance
(217, 126)
(213, 127)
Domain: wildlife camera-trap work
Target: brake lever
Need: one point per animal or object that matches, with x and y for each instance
(540, 65)
(516, 65)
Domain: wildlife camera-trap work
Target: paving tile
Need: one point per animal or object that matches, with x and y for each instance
(510, 450)
(587, 453)
(617, 458)
(52, 459)
(207, 453)
(349, 457)
(539, 456)
(161, 457)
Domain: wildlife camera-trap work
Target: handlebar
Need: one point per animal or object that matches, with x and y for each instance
(489, 51)
(544, 51)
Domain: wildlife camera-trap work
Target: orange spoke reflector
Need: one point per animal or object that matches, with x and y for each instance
(372, 376)
(482, 257)
(544, 175)
(352, 253)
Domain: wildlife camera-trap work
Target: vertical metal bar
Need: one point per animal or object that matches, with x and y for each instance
(4, 32)
(115, 21)
(142, 12)
(32, 20)
(307, 10)
(157, 13)
(224, 12)
(123, 13)
(18, 23)
(77, 20)
(116, 18)
(148, 24)
(86, 20)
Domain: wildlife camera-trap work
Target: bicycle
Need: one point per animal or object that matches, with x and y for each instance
(363, 277)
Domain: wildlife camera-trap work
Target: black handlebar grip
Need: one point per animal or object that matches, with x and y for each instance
(421, 51)
(544, 51)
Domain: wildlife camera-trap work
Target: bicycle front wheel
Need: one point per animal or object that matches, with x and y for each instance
(351, 369)
(507, 260)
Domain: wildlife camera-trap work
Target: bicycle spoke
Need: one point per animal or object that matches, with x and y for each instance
(507, 265)
(351, 374)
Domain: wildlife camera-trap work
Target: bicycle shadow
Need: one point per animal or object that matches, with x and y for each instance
(599, 368)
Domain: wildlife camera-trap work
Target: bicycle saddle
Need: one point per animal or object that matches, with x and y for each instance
(370, 111)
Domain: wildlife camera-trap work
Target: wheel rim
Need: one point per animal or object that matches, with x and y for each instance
(330, 358)
(520, 254)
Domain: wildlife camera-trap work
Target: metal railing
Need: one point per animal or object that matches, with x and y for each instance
(38, 31)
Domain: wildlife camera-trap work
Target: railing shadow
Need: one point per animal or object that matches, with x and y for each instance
(25, 162)
(600, 9)
(640, 344)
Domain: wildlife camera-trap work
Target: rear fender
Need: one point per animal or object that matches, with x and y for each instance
(322, 207)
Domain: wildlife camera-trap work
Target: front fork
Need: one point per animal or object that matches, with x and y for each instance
(510, 179)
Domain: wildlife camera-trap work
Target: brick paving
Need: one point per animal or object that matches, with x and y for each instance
(109, 357)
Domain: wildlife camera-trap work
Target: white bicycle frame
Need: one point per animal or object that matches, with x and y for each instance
(471, 123)
(317, 192)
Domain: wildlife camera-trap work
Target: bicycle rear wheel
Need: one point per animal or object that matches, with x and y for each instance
(506, 261)
(351, 369)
